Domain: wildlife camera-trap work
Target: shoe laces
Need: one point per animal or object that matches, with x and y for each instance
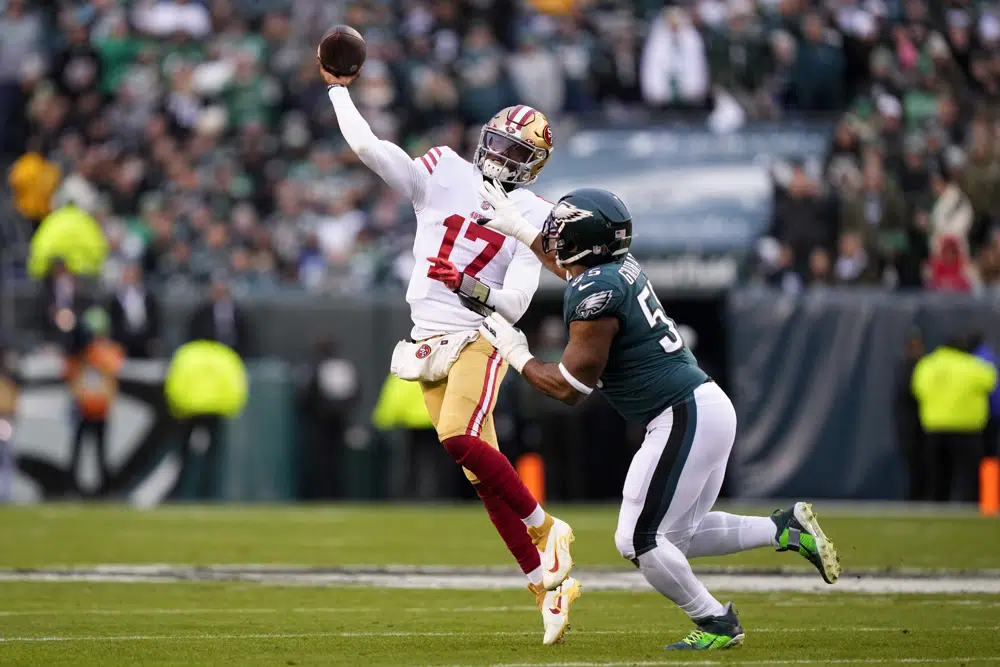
(693, 638)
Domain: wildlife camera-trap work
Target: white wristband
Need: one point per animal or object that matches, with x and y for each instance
(573, 382)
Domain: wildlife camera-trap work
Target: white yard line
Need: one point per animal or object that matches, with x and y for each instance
(404, 634)
(238, 611)
(457, 579)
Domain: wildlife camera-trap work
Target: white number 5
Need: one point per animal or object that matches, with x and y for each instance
(672, 341)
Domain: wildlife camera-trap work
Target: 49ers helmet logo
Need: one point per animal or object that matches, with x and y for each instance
(547, 134)
(423, 351)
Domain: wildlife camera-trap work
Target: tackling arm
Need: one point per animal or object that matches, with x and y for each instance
(385, 158)
(583, 361)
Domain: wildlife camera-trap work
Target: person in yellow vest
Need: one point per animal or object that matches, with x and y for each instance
(401, 406)
(952, 388)
(34, 180)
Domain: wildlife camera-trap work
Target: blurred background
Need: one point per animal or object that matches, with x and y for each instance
(814, 186)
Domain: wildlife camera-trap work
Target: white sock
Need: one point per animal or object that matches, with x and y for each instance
(719, 534)
(535, 576)
(536, 518)
(668, 571)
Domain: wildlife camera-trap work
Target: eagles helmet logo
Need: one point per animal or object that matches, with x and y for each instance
(565, 212)
(593, 304)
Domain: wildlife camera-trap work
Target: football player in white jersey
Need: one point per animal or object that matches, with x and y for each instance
(458, 260)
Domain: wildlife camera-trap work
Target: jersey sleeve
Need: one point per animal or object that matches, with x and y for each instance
(402, 173)
(594, 297)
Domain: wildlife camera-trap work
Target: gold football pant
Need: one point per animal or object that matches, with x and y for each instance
(462, 403)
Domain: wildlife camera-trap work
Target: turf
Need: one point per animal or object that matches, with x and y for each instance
(195, 624)
(213, 624)
(422, 535)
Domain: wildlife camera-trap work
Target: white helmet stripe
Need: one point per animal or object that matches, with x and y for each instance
(522, 116)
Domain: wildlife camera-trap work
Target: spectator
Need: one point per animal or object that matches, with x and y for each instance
(33, 180)
(674, 69)
(952, 388)
(819, 68)
(952, 214)
(739, 56)
(876, 213)
(800, 219)
(949, 268)
(536, 75)
(853, 265)
(77, 69)
(910, 436)
(166, 18)
(221, 319)
(62, 302)
(135, 316)
(483, 87)
(20, 42)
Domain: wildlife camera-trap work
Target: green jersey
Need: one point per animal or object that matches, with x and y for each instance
(649, 368)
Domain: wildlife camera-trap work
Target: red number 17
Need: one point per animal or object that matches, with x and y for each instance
(494, 241)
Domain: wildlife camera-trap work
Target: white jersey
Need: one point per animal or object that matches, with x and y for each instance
(447, 228)
(443, 188)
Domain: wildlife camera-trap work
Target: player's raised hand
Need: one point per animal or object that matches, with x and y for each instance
(332, 79)
(494, 194)
(507, 220)
(444, 271)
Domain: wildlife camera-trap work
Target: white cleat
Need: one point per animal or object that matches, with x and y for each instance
(557, 562)
(555, 610)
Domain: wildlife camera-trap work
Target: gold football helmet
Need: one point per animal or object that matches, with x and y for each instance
(514, 145)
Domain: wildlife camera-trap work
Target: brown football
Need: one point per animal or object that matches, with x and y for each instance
(342, 51)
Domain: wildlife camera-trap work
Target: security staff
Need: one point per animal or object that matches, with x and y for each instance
(952, 388)
(401, 406)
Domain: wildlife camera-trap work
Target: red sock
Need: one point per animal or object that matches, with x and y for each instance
(494, 470)
(511, 529)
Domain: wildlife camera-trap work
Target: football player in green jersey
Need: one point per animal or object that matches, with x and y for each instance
(622, 342)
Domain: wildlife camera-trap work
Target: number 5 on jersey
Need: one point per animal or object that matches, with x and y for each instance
(475, 232)
(672, 341)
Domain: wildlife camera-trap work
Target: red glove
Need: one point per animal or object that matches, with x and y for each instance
(445, 271)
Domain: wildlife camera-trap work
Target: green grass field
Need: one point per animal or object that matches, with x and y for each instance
(91, 623)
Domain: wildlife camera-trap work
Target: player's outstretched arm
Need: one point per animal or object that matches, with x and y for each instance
(385, 158)
(583, 360)
(509, 222)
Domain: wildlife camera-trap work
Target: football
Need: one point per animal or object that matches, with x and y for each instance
(342, 51)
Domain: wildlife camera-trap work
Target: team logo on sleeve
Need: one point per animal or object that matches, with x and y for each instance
(593, 304)
(423, 351)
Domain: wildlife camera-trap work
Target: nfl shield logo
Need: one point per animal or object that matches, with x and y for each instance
(423, 351)
(619, 233)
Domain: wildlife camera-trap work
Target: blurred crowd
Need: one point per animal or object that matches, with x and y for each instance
(199, 134)
(908, 193)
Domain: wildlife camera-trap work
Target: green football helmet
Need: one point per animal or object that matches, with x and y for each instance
(589, 227)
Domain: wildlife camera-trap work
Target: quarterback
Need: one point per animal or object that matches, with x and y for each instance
(460, 372)
(622, 342)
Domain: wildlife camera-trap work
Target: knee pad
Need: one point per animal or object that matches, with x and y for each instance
(624, 543)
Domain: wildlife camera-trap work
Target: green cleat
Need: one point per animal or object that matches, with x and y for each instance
(713, 633)
(798, 530)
